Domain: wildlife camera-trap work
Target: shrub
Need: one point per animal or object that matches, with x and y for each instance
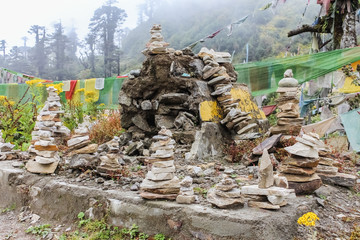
(106, 127)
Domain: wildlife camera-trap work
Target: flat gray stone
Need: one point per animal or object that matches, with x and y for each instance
(302, 150)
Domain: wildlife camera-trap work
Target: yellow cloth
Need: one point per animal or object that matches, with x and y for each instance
(349, 87)
(76, 97)
(90, 87)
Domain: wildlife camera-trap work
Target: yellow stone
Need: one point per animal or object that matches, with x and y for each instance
(210, 111)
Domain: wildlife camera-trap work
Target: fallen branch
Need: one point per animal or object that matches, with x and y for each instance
(308, 28)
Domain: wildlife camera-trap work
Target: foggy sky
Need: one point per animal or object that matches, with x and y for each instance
(17, 16)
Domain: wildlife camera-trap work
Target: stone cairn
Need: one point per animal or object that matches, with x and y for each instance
(160, 182)
(300, 167)
(271, 191)
(289, 121)
(225, 194)
(221, 82)
(6, 152)
(186, 195)
(156, 44)
(47, 128)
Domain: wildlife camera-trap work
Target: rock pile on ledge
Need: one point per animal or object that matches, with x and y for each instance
(226, 194)
(160, 182)
(289, 121)
(300, 167)
(47, 128)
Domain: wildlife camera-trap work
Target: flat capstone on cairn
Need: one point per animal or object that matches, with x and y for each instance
(48, 129)
(160, 182)
(241, 123)
(289, 121)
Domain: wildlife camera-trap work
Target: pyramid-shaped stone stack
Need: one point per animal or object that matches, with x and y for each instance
(300, 167)
(186, 195)
(222, 83)
(225, 194)
(43, 137)
(156, 44)
(160, 182)
(289, 121)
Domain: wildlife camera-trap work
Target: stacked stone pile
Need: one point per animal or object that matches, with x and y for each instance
(222, 83)
(226, 194)
(47, 127)
(156, 44)
(271, 192)
(6, 150)
(186, 195)
(289, 121)
(160, 182)
(300, 167)
(328, 169)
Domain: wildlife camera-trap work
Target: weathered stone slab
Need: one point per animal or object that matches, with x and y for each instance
(152, 196)
(6, 147)
(341, 179)
(303, 188)
(300, 178)
(301, 161)
(223, 202)
(160, 176)
(173, 98)
(172, 184)
(264, 205)
(34, 167)
(327, 169)
(255, 190)
(266, 144)
(289, 169)
(233, 193)
(302, 150)
(185, 199)
(77, 141)
(163, 164)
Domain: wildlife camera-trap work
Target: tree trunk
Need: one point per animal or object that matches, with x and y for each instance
(348, 39)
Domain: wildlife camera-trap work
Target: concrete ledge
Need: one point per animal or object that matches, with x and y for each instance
(54, 199)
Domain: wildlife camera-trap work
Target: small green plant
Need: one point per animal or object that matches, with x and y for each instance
(41, 230)
(8, 209)
(82, 220)
(323, 197)
(159, 236)
(201, 191)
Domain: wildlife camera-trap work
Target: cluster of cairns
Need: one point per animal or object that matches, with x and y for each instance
(300, 167)
(47, 133)
(240, 122)
(160, 182)
(156, 44)
(288, 119)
